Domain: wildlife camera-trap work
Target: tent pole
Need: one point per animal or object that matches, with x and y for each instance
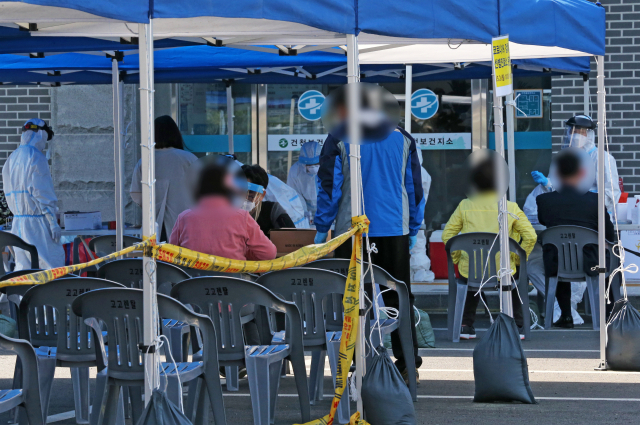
(117, 154)
(601, 212)
(511, 150)
(353, 105)
(291, 124)
(120, 227)
(147, 143)
(585, 79)
(505, 264)
(230, 129)
(408, 90)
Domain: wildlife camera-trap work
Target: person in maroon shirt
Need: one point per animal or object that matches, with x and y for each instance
(215, 226)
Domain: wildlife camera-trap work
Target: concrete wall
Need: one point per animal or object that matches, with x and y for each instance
(17, 105)
(83, 151)
(622, 82)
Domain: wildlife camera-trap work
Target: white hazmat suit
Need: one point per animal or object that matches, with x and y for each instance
(280, 192)
(302, 176)
(29, 190)
(420, 262)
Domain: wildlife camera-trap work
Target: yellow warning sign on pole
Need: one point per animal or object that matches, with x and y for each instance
(502, 80)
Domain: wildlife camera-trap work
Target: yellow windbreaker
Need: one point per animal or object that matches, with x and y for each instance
(480, 214)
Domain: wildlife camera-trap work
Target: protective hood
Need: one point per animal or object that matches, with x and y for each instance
(36, 139)
(310, 153)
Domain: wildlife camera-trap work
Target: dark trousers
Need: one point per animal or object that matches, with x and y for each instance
(471, 306)
(563, 295)
(393, 256)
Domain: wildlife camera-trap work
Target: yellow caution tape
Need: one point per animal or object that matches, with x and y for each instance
(197, 260)
(45, 276)
(351, 307)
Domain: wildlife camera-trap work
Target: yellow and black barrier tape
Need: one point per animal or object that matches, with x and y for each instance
(45, 276)
(351, 307)
(197, 260)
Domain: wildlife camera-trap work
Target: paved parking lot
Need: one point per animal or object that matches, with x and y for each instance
(561, 370)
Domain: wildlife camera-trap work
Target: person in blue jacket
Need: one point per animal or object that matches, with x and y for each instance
(393, 202)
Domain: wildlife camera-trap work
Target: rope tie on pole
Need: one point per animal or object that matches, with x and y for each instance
(514, 104)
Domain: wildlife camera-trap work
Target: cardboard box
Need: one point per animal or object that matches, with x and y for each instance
(290, 240)
(83, 220)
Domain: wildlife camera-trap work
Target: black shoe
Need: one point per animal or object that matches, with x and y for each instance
(468, 332)
(564, 322)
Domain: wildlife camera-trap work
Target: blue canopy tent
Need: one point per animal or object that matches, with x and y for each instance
(454, 31)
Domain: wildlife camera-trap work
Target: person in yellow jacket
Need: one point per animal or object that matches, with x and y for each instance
(479, 213)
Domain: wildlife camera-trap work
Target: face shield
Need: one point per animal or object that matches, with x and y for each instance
(578, 137)
(255, 194)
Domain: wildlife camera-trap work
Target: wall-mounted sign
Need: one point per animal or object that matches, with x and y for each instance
(292, 142)
(310, 105)
(424, 104)
(502, 80)
(528, 103)
(442, 141)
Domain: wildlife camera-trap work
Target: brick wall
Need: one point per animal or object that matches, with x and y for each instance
(622, 82)
(18, 104)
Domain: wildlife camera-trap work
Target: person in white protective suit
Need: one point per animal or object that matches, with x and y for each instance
(420, 262)
(29, 190)
(302, 177)
(288, 199)
(579, 133)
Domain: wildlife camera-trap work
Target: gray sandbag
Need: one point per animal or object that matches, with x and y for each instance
(500, 366)
(8, 326)
(385, 396)
(424, 331)
(161, 411)
(623, 337)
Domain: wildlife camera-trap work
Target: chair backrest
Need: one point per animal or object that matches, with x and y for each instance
(200, 273)
(380, 275)
(310, 289)
(9, 239)
(129, 272)
(30, 382)
(477, 245)
(105, 245)
(73, 340)
(222, 298)
(570, 242)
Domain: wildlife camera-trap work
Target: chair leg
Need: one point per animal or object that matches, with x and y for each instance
(17, 384)
(259, 387)
(137, 404)
(111, 410)
(316, 376)
(174, 390)
(343, 408)
(233, 381)
(46, 370)
(126, 402)
(461, 298)
(406, 341)
(593, 288)
(300, 375)
(194, 389)
(550, 298)
(216, 400)
(99, 398)
(274, 385)
(80, 378)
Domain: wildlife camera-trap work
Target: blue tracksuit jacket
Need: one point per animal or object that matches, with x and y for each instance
(392, 184)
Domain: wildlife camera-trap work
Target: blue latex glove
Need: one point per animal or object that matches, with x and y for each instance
(412, 241)
(321, 237)
(539, 178)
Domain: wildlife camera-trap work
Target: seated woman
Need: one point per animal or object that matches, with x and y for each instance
(215, 226)
(269, 215)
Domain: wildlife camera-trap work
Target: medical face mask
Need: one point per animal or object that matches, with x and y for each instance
(254, 197)
(312, 170)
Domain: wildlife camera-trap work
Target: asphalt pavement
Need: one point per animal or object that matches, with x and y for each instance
(561, 370)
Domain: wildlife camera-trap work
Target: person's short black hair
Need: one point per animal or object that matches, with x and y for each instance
(167, 133)
(567, 164)
(256, 174)
(483, 175)
(211, 181)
